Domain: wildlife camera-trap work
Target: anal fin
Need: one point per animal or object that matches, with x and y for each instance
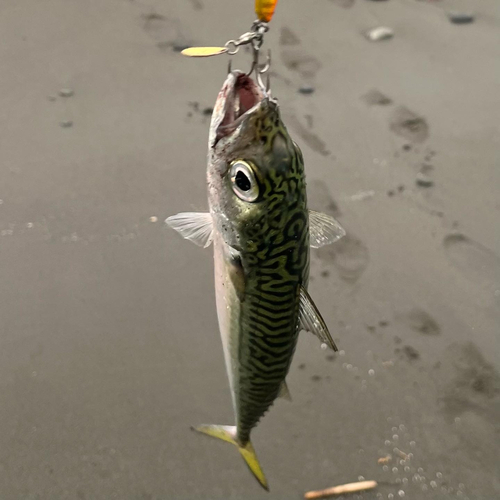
(311, 320)
(284, 392)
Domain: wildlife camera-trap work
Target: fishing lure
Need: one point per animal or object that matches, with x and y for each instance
(265, 9)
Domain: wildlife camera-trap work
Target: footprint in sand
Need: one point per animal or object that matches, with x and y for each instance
(310, 138)
(345, 4)
(410, 353)
(473, 260)
(375, 98)
(306, 65)
(197, 4)
(420, 321)
(349, 255)
(409, 125)
(288, 37)
(166, 32)
(320, 199)
(471, 382)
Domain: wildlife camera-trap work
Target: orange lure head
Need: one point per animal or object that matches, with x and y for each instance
(265, 9)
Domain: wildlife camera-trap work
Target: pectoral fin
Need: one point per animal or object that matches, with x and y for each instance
(323, 229)
(284, 392)
(194, 226)
(310, 320)
(236, 273)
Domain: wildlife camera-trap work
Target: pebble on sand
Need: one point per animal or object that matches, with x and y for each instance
(306, 90)
(362, 195)
(66, 93)
(379, 34)
(424, 180)
(66, 124)
(460, 18)
(375, 98)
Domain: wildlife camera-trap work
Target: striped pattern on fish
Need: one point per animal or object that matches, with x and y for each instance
(262, 231)
(278, 264)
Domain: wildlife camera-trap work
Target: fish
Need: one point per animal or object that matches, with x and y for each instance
(261, 230)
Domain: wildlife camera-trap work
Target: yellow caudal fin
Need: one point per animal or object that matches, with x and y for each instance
(228, 433)
(248, 454)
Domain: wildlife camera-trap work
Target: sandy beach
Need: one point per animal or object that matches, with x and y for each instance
(109, 343)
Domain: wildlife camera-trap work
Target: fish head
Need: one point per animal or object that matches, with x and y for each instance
(255, 170)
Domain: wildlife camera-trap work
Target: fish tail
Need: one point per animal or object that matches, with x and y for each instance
(228, 433)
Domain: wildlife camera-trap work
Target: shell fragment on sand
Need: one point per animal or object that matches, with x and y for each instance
(379, 34)
(460, 17)
(424, 180)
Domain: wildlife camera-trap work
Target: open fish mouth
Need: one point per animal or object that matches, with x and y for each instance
(239, 96)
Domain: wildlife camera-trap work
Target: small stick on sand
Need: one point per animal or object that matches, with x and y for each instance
(341, 490)
(401, 453)
(384, 460)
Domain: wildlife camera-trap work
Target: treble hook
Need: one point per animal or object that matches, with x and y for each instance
(255, 59)
(261, 71)
(259, 28)
(266, 67)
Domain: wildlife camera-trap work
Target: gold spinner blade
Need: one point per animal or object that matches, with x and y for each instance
(204, 51)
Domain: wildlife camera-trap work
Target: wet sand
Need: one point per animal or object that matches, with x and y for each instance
(109, 346)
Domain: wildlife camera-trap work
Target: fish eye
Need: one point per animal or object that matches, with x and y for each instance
(243, 181)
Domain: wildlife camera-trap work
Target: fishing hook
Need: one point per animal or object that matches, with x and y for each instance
(259, 28)
(255, 38)
(261, 71)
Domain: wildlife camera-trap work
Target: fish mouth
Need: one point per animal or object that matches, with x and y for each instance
(240, 96)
